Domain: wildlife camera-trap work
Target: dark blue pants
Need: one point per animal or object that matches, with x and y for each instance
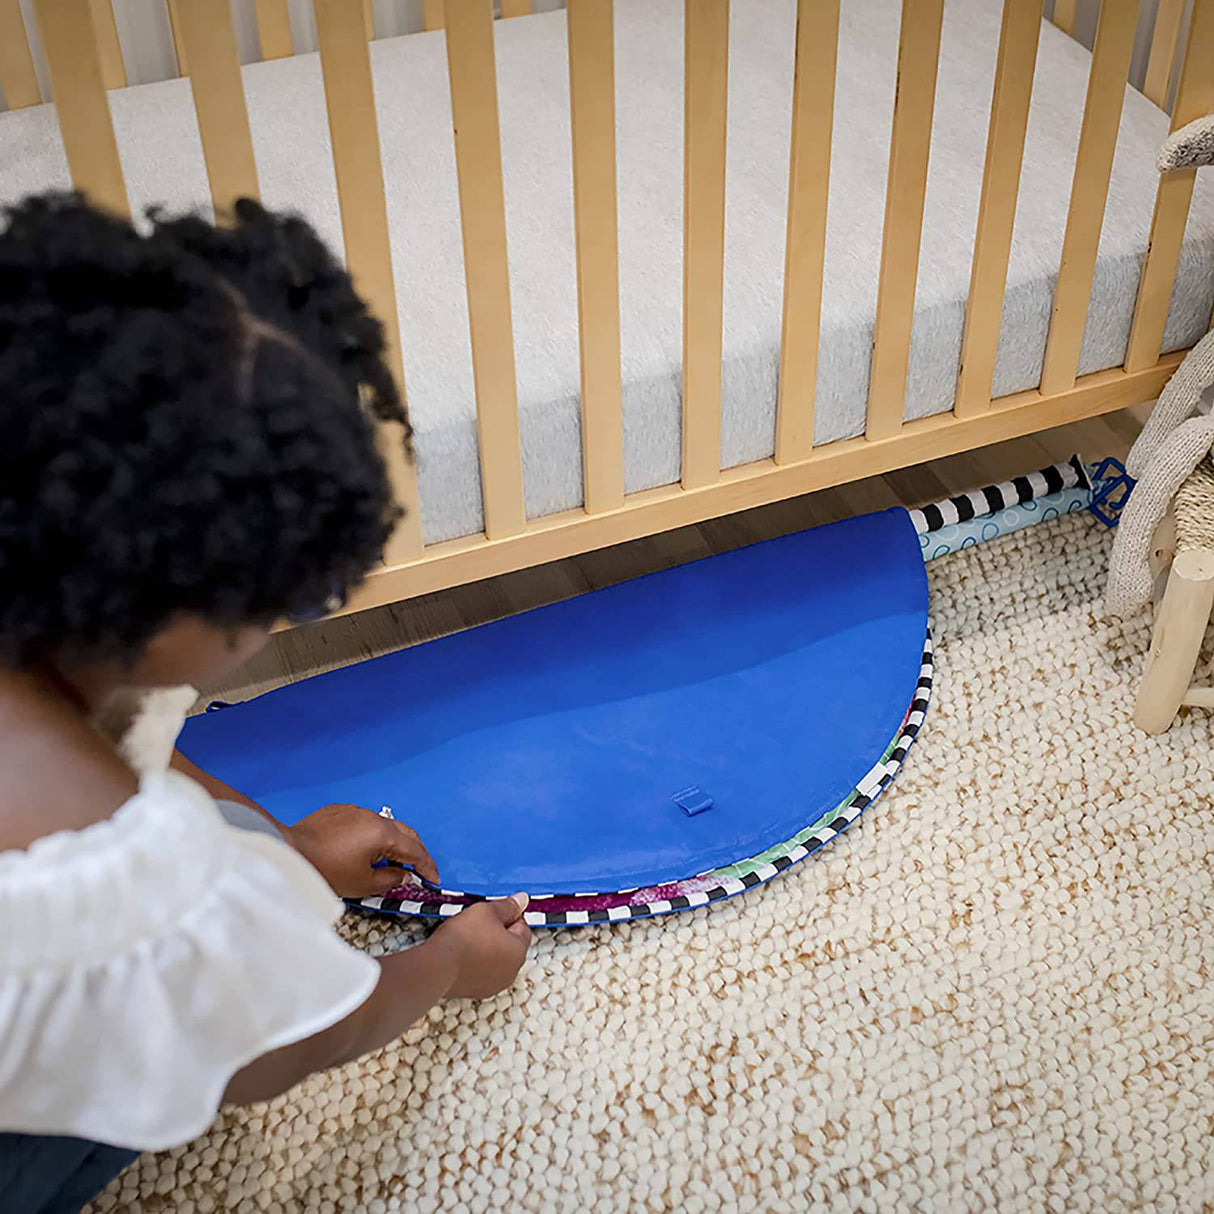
(43, 1174)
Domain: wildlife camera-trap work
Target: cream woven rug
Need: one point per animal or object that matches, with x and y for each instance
(993, 992)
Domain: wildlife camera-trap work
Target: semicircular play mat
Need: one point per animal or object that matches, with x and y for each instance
(537, 752)
(624, 740)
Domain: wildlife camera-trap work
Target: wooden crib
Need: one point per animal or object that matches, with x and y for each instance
(85, 60)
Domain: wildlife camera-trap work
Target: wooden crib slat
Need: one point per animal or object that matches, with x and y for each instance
(1194, 98)
(705, 97)
(516, 8)
(1065, 12)
(478, 158)
(1169, 20)
(592, 109)
(813, 108)
(81, 105)
(17, 76)
(209, 39)
(175, 28)
(113, 71)
(906, 184)
(997, 210)
(369, 19)
(1089, 191)
(345, 62)
(432, 14)
(274, 29)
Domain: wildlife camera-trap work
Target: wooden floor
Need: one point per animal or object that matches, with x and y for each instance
(304, 651)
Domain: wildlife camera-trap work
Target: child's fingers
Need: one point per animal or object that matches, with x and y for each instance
(518, 928)
(385, 879)
(403, 846)
(510, 910)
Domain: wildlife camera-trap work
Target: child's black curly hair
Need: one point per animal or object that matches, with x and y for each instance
(185, 427)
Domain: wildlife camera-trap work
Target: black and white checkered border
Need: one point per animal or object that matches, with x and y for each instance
(982, 502)
(865, 793)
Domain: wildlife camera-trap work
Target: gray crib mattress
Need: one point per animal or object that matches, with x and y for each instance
(162, 158)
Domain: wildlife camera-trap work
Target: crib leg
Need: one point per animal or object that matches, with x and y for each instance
(1180, 625)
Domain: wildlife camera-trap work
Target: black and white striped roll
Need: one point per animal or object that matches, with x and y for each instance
(980, 503)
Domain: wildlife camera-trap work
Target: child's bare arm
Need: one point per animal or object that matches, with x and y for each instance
(410, 983)
(216, 787)
(474, 955)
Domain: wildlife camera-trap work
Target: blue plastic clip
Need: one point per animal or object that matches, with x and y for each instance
(1111, 489)
(692, 800)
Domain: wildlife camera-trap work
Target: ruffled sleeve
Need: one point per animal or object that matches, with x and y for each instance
(146, 959)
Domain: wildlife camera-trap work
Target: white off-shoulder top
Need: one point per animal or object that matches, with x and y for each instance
(146, 959)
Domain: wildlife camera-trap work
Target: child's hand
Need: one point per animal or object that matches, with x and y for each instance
(343, 841)
(488, 943)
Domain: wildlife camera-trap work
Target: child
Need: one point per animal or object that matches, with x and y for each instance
(187, 454)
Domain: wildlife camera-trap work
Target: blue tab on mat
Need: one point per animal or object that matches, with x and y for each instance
(548, 751)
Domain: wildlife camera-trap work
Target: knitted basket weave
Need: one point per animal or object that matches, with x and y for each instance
(1194, 509)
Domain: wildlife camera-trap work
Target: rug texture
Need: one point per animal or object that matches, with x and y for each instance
(993, 993)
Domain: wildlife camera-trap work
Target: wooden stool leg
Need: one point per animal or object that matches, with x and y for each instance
(1163, 545)
(1180, 625)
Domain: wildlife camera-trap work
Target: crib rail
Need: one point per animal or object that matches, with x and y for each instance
(1194, 97)
(905, 190)
(78, 78)
(813, 109)
(109, 49)
(1089, 191)
(350, 102)
(17, 75)
(478, 159)
(592, 125)
(1010, 99)
(84, 58)
(705, 92)
(273, 29)
(207, 39)
(1165, 38)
